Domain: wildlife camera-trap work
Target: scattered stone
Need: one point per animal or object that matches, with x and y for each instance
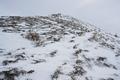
(56, 74)
(11, 74)
(6, 62)
(38, 61)
(52, 54)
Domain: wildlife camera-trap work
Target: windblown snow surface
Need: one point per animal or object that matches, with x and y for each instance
(56, 47)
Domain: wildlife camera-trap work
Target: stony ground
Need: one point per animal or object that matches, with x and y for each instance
(56, 47)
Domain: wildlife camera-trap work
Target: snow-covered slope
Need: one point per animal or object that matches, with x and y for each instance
(56, 47)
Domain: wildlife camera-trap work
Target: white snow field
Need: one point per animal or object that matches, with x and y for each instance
(56, 47)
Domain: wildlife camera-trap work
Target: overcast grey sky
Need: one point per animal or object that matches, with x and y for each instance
(104, 14)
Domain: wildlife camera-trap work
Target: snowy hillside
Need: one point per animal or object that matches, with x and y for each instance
(56, 47)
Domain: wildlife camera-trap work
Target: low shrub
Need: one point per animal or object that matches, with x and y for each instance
(32, 36)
